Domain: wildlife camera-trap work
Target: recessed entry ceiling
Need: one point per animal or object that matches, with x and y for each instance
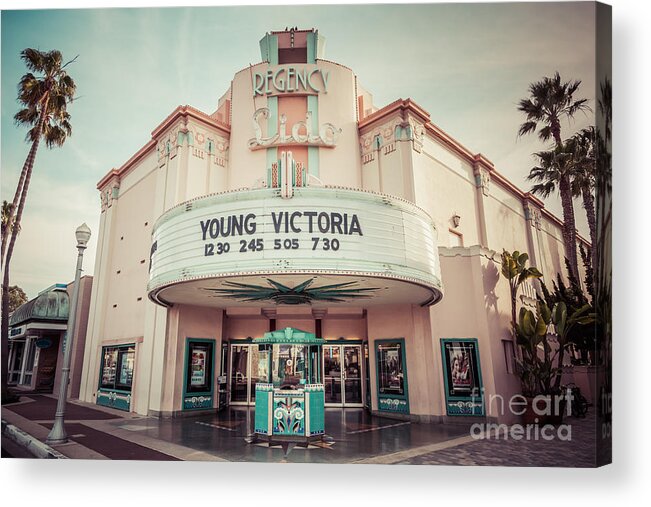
(315, 290)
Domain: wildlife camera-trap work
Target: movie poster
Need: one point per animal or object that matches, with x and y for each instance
(198, 365)
(462, 376)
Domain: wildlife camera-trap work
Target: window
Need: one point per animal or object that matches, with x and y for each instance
(16, 361)
(509, 355)
(456, 239)
(117, 367)
(31, 358)
(289, 364)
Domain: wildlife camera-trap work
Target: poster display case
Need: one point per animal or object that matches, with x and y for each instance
(116, 376)
(391, 374)
(462, 375)
(198, 390)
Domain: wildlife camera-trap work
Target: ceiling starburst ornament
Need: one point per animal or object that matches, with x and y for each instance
(303, 293)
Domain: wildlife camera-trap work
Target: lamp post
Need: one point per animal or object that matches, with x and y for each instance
(58, 433)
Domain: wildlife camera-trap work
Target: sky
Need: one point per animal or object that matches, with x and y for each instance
(466, 64)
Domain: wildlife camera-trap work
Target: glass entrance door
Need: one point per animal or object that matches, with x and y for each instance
(332, 374)
(239, 374)
(247, 368)
(342, 374)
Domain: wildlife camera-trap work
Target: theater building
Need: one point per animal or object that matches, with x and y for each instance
(299, 204)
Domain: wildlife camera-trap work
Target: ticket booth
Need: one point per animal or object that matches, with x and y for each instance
(290, 403)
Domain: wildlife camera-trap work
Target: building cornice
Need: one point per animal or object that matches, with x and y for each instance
(400, 106)
(190, 112)
(112, 174)
(181, 112)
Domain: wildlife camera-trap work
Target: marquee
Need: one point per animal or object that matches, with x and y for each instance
(320, 238)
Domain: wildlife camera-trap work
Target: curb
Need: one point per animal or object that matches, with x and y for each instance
(31, 444)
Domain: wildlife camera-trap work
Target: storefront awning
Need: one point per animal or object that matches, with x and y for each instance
(50, 306)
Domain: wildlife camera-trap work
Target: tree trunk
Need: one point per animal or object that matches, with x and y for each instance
(4, 320)
(588, 204)
(19, 189)
(569, 225)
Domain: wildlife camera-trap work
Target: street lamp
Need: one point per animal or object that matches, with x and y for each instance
(58, 433)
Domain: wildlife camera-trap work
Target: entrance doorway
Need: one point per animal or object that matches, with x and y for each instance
(342, 375)
(244, 373)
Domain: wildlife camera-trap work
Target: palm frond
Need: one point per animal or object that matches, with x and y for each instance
(26, 116)
(527, 127)
(33, 58)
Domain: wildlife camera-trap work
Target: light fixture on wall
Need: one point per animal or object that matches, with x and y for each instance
(456, 219)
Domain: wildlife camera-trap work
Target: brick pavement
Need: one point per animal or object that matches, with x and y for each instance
(578, 452)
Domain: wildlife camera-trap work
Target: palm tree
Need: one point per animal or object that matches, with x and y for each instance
(44, 94)
(583, 174)
(7, 210)
(553, 167)
(550, 102)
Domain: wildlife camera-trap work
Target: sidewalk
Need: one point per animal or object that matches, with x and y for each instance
(102, 433)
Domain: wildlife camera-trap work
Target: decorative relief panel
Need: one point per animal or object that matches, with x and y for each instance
(482, 179)
(205, 146)
(109, 194)
(385, 135)
(417, 135)
(375, 139)
(533, 215)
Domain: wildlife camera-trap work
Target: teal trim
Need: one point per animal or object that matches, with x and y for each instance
(114, 398)
(392, 402)
(316, 411)
(311, 47)
(269, 48)
(458, 405)
(290, 335)
(262, 408)
(272, 120)
(194, 400)
(273, 50)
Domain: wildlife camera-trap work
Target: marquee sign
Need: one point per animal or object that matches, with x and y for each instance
(301, 133)
(290, 79)
(318, 231)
